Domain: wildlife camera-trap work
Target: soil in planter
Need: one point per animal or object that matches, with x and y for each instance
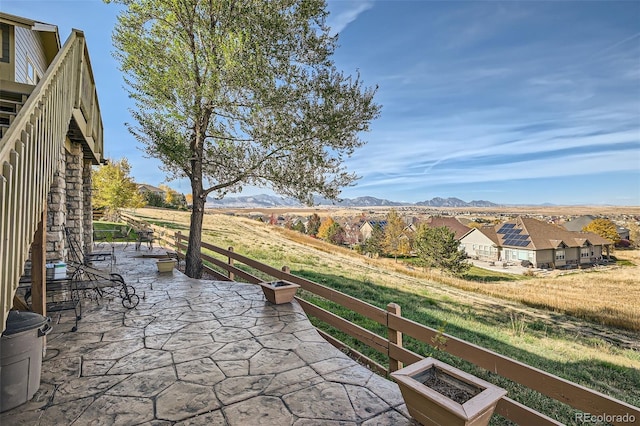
(447, 385)
(279, 284)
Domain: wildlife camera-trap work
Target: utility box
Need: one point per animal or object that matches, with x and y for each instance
(56, 271)
(21, 347)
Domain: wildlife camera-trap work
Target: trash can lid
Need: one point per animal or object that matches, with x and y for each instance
(19, 321)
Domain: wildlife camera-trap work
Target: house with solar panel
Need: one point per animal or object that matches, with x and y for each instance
(542, 244)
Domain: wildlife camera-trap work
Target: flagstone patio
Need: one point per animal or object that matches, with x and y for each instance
(197, 352)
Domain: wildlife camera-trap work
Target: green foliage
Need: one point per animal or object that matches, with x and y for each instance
(113, 188)
(323, 231)
(335, 234)
(153, 199)
(375, 243)
(395, 242)
(232, 93)
(314, 224)
(299, 226)
(438, 248)
(605, 228)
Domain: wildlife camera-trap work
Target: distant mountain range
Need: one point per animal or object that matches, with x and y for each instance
(264, 201)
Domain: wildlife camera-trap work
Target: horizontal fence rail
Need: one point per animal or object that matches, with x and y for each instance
(565, 391)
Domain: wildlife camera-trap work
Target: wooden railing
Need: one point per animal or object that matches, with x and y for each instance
(30, 150)
(565, 391)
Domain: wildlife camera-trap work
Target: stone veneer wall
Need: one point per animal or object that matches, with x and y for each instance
(75, 197)
(87, 218)
(57, 212)
(69, 204)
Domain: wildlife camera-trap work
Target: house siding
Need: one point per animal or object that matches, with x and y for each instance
(476, 244)
(28, 46)
(543, 258)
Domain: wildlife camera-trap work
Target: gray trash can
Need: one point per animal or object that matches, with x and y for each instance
(21, 347)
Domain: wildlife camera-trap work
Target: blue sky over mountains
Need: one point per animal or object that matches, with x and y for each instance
(513, 102)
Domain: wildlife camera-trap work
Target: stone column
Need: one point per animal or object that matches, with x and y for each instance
(87, 217)
(75, 196)
(57, 212)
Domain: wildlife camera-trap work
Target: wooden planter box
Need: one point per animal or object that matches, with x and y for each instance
(165, 265)
(279, 292)
(470, 400)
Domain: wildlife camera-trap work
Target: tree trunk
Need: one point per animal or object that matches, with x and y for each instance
(193, 266)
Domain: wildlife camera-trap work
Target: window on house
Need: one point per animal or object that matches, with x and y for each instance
(32, 74)
(585, 252)
(4, 43)
(559, 254)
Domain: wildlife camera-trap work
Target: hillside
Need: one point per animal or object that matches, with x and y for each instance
(279, 247)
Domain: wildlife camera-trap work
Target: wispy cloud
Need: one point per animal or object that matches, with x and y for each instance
(344, 12)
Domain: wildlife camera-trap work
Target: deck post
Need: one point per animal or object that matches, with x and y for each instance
(178, 236)
(38, 266)
(230, 262)
(395, 336)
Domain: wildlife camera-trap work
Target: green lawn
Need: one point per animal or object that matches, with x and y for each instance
(112, 232)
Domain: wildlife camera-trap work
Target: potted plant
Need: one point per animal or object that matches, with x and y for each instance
(439, 394)
(278, 292)
(165, 265)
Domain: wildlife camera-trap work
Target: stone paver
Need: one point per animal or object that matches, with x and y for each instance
(197, 352)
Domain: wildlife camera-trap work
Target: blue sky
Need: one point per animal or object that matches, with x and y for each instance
(512, 102)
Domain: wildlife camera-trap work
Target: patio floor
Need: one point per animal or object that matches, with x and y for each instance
(197, 352)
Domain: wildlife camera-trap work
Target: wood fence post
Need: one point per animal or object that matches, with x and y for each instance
(230, 262)
(395, 336)
(286, 269)
(178, 236)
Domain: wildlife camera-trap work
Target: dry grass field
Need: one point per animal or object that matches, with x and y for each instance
(610, 296)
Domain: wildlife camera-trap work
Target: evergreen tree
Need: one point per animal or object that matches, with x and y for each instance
(299, 226)
(374, 244)
(438, 248)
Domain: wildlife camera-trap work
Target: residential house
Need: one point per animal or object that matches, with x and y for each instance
(451, 223)
(542, 244)
(367, 228)
(579, 223)
(144, 188)
(481, 243)
(51, 136)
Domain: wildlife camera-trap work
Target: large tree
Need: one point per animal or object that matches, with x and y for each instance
(231, 93)
(438, 247)
(605, 228)
(113, 188)
(395, 241)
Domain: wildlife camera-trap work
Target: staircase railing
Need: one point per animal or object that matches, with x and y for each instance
(29, 152)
